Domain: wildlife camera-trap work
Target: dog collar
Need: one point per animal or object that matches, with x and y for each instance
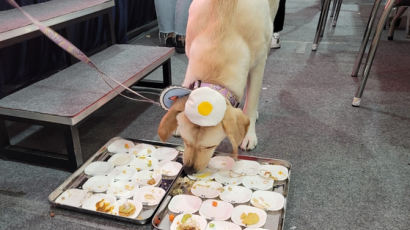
(222, 90)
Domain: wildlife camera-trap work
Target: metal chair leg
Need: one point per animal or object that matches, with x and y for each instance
(399, 13)
(321, 24)
(366, 36)
(372, 52)
(333, 8)
(325, 18)
(339, 5)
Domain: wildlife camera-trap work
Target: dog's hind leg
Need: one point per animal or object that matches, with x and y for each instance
(253, 90)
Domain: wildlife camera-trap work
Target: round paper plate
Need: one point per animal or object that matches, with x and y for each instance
(257, 182)
(120, 146)
(206, 189)
(128, 208)
(222, 225)
(216, 209)
(267, 200)
(165, 154)
(122, 189)
(98, 168)
(248, 216)
(184, 204)
(123, 173)
(149, 195)
(120, 159)
(97, 184)
(145, 177)
(221, 163)
(142, 150)
(228, 178)
(236, 194)
(144, 163)
(108, 200)
(72, 197)
(188, 221)
(206, 174)
(246, 167)
(276, 172)
(170, 168)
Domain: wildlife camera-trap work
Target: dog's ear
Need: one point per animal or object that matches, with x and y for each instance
(169, 122)
(235, 125)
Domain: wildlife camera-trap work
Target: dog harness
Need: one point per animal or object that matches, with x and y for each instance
(222, 90)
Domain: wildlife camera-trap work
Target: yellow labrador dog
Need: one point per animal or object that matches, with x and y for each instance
(227, 44)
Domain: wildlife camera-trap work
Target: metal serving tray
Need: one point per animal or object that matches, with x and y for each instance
(275, 219)
(78, 178)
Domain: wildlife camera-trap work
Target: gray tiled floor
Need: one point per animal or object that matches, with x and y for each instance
(350, 165)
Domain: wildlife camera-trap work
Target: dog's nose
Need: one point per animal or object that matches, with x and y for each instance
(189, 169)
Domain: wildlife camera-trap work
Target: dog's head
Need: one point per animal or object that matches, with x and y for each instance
(201, 141)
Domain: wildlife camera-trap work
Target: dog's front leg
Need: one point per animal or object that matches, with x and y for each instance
(253, 90)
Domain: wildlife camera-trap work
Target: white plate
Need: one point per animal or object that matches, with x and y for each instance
(206, 174)
(221, 163)
(193, 220)
(149, 195)
(257, 182)
(206, 189)
(122, 189)
(144, 163)
(149, 178)
(236, 194)
(97, 184)
(136, 204)
(228, 178)
(267, 200)
(98, 168)
(184, 204)
(120, 146)
(142, 150)
(222, 225)
(246, 167)
(276, 172)
(123, 173)
(170, 168)
(72, 197)
(238, 211)
(120, 159)
(165, 154)
(91, 202)
(222, 210)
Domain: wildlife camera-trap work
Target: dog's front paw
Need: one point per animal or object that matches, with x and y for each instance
(250, 141)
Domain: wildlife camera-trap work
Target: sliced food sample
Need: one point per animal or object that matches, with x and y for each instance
(188, 221)
(248, 216)
(129, 208)
(276, 172)
(101, 203)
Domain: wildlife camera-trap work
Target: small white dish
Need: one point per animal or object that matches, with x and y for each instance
(206, 174)
(149, 195)
(165, 154)
(236, 194)
(123, 173)
(221, 163)
(228, 178)
(144, 163)
(241, 215)
(188, 220)
(216, 209)
(147, 178)
(97, 184)
(125, 204)
(170, 168)
(206, 189)
(142, 150)
(276, 172)
(120, 159)
(222, 225)
(72, 197)
(246, 167)
(122, 188)
(267, 200)
(120, 146)
(98, 168)
(92, 202)
(257, 182)
(184, 204)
